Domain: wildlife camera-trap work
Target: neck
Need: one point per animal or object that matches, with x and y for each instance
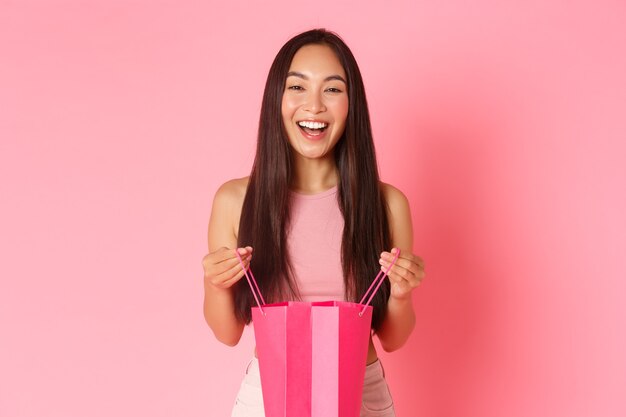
(312, 176)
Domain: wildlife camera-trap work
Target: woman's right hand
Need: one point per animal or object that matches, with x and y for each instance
(222, 269)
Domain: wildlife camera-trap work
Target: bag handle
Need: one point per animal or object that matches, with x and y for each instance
(380, 278)
(251, 279)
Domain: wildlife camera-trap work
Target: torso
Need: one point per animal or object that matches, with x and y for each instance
(314, 245)
(330, 290)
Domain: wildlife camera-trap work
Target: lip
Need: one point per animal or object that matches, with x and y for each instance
(312, 120)
(313, 137)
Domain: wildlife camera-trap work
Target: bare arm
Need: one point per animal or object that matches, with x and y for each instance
(404, 276)
(221, 266)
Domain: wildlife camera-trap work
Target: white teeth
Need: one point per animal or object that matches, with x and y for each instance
(312, 125)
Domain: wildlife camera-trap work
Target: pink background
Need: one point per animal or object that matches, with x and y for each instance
(503, 122)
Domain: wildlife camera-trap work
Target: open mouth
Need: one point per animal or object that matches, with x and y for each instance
(312, 128)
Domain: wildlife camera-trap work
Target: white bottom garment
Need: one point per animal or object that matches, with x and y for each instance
(377, 401)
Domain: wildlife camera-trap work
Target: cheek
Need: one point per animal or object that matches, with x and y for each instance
(288, 109)
(342, 110)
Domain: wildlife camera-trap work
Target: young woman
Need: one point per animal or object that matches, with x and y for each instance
(313, 212)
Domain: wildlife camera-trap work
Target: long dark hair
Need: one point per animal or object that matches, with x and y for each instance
(266, 209)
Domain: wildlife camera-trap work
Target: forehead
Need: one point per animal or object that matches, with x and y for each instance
(317, 61)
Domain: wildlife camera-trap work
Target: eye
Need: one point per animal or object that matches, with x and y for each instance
(333, 90)
(295, 88)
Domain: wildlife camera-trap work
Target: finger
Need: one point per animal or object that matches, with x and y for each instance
(405, 263)
(229, 274)
(232, 260)
(395, 278)
(397, 271)
(406, 260)
(218, 256)
(404, 256)
(401, 268)
(399, 274)
(420, 275)
(215, 270)
(224, 253)
(230, 282)
(244, 251)
(239, 273)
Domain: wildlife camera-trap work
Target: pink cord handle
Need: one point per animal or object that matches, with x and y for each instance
(251, 279)
(377, 282)
(380, 280)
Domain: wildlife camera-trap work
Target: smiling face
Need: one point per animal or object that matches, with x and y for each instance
(315, 102)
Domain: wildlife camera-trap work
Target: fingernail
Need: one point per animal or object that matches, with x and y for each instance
(242, 251)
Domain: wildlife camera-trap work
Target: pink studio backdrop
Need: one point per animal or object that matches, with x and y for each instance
(503, 122)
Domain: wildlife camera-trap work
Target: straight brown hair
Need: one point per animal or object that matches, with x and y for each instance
(266, 209)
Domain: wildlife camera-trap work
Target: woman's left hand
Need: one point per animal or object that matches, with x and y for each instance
(405, 275)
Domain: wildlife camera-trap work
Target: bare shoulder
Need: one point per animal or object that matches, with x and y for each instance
(399, 215)
(396, 200)
(225, 214)
(232, 193)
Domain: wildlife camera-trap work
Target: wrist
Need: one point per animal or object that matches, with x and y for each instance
(402, 301)
(215, 289)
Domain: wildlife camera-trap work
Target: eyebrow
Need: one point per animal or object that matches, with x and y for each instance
(304, 77)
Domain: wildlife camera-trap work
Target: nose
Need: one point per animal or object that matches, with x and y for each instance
(315, 103)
